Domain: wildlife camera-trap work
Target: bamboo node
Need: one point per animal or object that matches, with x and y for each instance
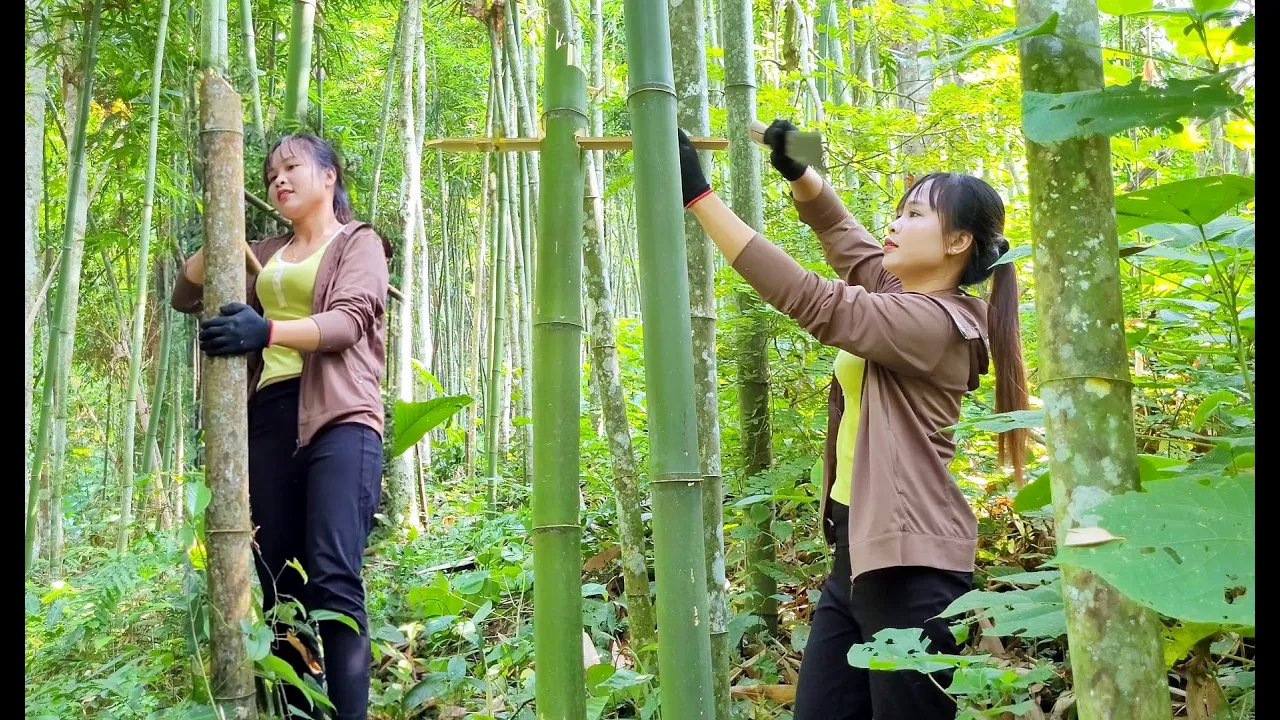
(659, 86)
(678, 477)
(556, 528)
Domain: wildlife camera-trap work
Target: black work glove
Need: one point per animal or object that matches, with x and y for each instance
(237, 330)
(693, 183)
(775, 137)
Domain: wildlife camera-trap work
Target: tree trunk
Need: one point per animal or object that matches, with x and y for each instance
(608, 387)
(684, 652)
(689, 65)
(1116, 656)
(228, 530)
(57, 360)
(557, 382)
(474, 381)
(140, 302)
(37, 94)
(301, 26)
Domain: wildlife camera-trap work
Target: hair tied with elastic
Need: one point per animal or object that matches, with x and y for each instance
(1002, 244)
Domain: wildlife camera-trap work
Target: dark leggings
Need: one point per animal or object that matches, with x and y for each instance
(315, 504)
(853, 612)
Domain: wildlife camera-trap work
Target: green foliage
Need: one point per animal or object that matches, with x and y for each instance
(1034, 613)
(1194, 202)
(1186, 548)
(1050, 118)
(413, 420)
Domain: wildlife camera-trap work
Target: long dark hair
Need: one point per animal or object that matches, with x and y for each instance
(326, 158)
(967, 204)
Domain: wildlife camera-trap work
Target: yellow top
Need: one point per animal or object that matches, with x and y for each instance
(285, 290)
(849, 370)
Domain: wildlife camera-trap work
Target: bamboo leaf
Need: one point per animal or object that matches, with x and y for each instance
(1054, 117)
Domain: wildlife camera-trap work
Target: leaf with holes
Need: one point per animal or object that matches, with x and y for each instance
(1034, 613)
(905, 649)
(1188, 551)
(1198, 201)
(413, 420)
(1047, 27)
(1050, 118)
(1003, 422)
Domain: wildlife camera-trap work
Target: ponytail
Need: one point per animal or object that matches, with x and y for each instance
(1006, 351)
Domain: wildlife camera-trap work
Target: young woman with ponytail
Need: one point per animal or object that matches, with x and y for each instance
(911, 343)
(314, 330)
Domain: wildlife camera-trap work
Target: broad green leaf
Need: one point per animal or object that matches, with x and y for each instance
(597, 674)
(905, 649)
(320, 615)
(596, 705)
(1034, 495)
(433, 685)
(413, 420)
(1050, 118)
(391, 634)
(1198, 201)
(1047, 27)
(1179, 639)
(280, 669)
(1034, 613)
(257, 639)
(197, 495)
(799, 636)
(1210, 404)
(1243, 33)
(1188, 548)
(1124, 7)
(1036, 577)
(738, 627)
(624, 678)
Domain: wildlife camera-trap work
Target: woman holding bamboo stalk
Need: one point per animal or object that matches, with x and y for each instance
(911, 344)
(314, 332)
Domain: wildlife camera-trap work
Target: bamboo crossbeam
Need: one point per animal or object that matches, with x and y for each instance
(527, 144)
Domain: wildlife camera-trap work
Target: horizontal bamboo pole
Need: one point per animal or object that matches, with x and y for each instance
(527, 144)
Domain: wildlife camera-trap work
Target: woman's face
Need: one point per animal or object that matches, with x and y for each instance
(295, 185)
(917, 247)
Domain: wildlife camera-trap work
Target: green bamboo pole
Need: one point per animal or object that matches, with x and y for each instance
(387, 94)
(164, 495)
(58, 354)
(474, 372)
(613, 406)
(557, 344)
(251, 60)
(301, 27)
(157, 394)
(402, 475)
(498, 291)
(684, 649)
(753, 358)
(1116, 656)
(689, 61)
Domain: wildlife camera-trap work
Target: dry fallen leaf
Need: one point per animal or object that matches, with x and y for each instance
(1088, 537)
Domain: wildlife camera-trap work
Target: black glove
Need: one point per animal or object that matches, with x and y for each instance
(775, 136)
(237, 330)
(693, 184)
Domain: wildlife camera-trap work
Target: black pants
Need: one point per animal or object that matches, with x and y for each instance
(848, 613)
(315, 505)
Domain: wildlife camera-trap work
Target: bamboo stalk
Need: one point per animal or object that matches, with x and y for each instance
(301, 27)
(227, 527)
(675, 480)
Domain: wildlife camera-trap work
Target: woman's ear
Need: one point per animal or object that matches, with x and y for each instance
(330, 177)
(959, 243)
